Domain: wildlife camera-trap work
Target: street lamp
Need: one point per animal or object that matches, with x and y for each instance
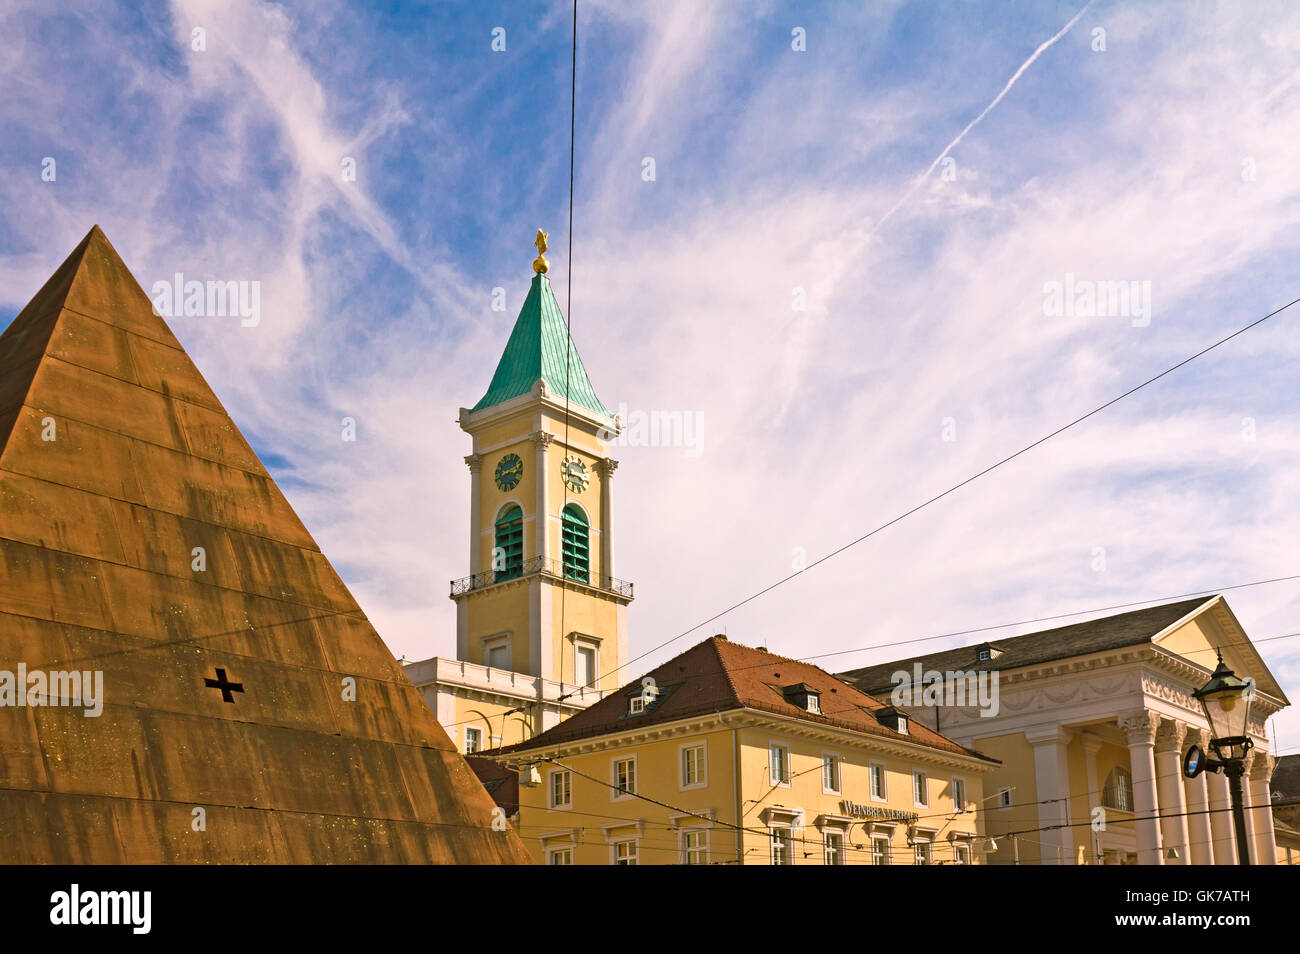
(1226, 701)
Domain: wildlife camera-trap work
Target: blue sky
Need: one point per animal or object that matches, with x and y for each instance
(776, 171)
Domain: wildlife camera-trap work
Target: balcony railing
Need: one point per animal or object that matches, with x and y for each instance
(536, 565)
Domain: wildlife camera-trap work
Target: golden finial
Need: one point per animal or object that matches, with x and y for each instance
(540, 265)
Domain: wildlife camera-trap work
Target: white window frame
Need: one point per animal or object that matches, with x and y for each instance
(550, 790)
(923, 789)
(636, 705)
(922, 844)
(839, 773)
(616, 794)
(683, 837)
(634, 857)
(703, 781)
(959, 781)
(478, 734)
(559, 850)
(960, 852)
(1005, 790)
(579, 644)
(842, 851)
(884, 782)
(789, 843)
(887, 842)
(789, 773)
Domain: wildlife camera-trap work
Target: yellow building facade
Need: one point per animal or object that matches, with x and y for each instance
(1090, 725)
(541, 620)
(732, 755)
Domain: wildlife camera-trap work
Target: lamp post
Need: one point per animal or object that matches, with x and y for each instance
(1226, 700)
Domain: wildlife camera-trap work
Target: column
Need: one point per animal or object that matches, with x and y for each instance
(475, 462)
(605, 468)
(1200, 835)
(541, 528)
(1140, 732)
(1248, 807)
(1169, 788)
(1051, 776)
(1225, 845)
(1091, 746)
(1261, 771)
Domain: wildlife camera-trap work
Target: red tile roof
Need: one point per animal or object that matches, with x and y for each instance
(718, 675)
(502, 784)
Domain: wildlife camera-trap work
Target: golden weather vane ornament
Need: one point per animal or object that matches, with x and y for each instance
(540, 265)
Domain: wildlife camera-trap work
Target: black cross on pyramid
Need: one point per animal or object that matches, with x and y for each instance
(116, 461)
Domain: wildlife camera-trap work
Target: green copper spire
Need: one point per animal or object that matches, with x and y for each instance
(537, 349)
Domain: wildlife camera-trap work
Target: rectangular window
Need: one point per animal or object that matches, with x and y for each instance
(692, 765)
(625, 853)
(963, 855)
(779, 764)
(781, 854)
(958, 795)
(695, 847)
(922, 852)
(880, 851)
(498, 655)
(920, 788)
(584, 667)
(1004, 798)
(878, 782)
(561, 789)
(833, 845)
(625, 777)
(831, 774)
(473, 740)
(559, 856)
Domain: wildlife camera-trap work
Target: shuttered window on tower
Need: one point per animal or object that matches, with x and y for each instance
(508, 557)
(575, 544)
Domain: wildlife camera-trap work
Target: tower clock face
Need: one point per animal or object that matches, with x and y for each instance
(575, 475)
(509, 469)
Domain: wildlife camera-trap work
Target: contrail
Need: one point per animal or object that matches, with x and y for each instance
(975, 122)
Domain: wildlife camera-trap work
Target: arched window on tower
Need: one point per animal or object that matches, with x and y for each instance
(577, 553)
(508, 556)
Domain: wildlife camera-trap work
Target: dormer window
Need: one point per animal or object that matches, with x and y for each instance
(804, 697)
(636, 705)
(891, 717)
(984, 655)
(985, 652)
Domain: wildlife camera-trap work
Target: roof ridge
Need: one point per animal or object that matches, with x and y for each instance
(26, 342)
(716, 644)
(1190, 602)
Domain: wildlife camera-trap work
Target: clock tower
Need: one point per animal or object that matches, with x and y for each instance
(541, 620)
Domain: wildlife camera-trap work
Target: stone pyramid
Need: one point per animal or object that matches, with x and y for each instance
(227, 733)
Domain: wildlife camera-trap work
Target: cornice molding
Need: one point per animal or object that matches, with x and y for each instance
(745, 719)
